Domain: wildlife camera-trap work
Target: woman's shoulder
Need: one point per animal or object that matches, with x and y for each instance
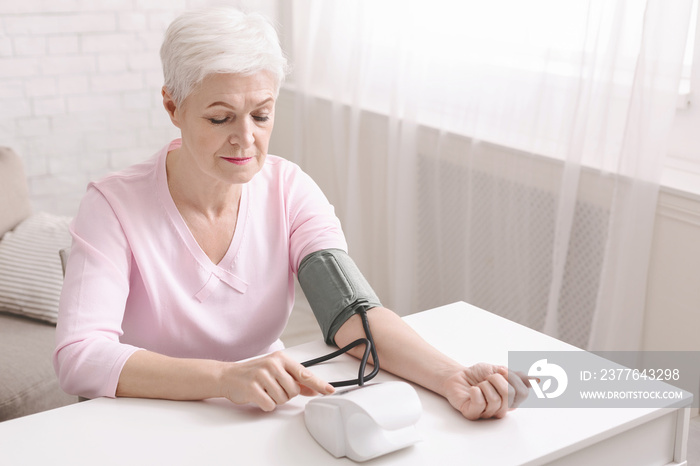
(276, 162)
(129, 176)
(293, 182)
(279, 167)
(134, 179)
(132, 188)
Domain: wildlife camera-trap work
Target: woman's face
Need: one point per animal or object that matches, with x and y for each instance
(226, 123)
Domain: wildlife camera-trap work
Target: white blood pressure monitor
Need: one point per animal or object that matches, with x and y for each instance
(365, 422)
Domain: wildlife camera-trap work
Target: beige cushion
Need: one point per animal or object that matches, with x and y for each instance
(31, 276)
(14, 194)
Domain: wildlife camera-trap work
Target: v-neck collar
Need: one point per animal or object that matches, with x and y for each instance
(218, 272)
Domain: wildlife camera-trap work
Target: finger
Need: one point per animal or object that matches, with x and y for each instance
(475, 404)
(306, 378)
(289, 385)
(503, 388)
(261, 398)
(306, 391)
(274, 390)
(520, 386)
(525, 378)
(492, 397)
(512, 390)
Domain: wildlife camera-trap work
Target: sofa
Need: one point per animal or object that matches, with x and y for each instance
(30, 282)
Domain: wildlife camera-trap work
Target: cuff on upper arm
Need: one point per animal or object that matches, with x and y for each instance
(335, 289)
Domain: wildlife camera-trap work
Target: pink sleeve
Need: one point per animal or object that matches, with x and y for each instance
(313, 223)
(89, 357)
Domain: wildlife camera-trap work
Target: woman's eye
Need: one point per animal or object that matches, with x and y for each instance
(217, 121)
(261, 118)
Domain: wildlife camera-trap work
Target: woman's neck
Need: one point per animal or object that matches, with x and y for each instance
(193, 190)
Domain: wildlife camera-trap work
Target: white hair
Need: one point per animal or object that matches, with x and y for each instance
(218, 40)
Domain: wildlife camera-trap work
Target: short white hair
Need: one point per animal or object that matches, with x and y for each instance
(218, 40)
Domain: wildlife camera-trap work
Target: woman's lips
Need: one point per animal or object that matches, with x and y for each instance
(238, 160)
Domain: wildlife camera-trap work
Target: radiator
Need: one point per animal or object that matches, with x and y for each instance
(488, 240)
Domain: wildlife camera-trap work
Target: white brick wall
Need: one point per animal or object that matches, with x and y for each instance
(80, 88)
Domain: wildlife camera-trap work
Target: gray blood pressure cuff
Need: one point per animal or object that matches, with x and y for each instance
(335, 289)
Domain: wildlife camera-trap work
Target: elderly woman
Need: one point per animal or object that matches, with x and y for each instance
(183, 266)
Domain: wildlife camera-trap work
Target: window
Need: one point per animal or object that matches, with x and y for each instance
(507, 72)
(683, 166)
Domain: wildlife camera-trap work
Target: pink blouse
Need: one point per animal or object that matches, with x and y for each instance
(137, 279)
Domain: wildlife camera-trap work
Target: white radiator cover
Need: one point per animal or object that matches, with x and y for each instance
(468, 251)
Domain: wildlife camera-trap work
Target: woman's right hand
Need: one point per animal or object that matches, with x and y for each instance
(269, 381)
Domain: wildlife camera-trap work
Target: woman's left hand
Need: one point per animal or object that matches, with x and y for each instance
(484, 391)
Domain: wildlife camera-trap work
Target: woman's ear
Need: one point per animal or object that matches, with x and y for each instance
(170, 106)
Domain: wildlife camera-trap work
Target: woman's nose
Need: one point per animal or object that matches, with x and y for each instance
(242, 134)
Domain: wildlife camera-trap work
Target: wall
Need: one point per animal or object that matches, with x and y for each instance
(80, 88)
(672, 319)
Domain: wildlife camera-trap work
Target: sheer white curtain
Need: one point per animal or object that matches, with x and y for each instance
(503, 153)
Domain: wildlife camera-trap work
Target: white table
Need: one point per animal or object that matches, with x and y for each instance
(154, 432)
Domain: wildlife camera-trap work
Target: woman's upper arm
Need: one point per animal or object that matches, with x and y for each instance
(88, 355)
(313, 223)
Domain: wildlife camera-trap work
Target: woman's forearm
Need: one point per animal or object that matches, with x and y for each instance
(400, 349)
(266, 381)
(152, 375)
